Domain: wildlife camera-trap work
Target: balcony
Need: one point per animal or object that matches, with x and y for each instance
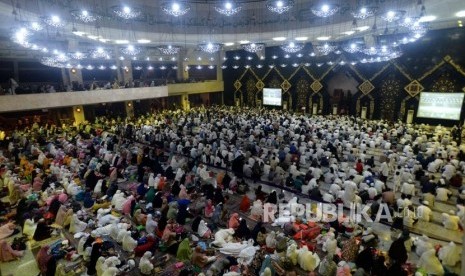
(11, 103)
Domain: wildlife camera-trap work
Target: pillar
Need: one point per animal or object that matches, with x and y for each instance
(129, 106)
(16, 71)
(219, 63)
(73, 74)
(181, 66)
(125, 71)
(185, 101)
(78, 113)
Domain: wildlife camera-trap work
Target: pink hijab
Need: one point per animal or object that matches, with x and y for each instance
(7, 253)
(127, 205)
(234, 221)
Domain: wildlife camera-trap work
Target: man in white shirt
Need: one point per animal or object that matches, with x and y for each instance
(424, 212)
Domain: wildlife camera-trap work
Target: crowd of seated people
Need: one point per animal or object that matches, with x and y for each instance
(187, 188)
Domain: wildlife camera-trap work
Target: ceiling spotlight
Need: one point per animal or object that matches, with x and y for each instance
(113, 67)
(175, 9)
(325, 10)
(228, 9)
(85, 16)
(279, 6)
(126, 12)
(102, 67)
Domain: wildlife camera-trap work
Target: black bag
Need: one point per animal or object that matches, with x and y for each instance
(19, 243)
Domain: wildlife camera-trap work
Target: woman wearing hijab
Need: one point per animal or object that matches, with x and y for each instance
(43, 231)
(234, 221)
(157, 200)
(245, 204)
(255, 231)
(195, 224)
(150, 224)
(200, 259)
(243, 231)
(150, 195)
(209, 209)
(203, 231)
(184, 252)
(272, 198)
(43, 258)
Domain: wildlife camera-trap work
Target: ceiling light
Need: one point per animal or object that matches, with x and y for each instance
(79, 33)
(174, 67)
(349, 32)
(249, 58)
(325, 10)
(364, 12)
(301, 38)
(244, 41)
(323, 38)
(121, 58)
(279, 38)
(93, 37)
(427, 18)
(163, 67)
(370, 51)
(253, 47)
(229, 44)
(460, 14)
(126, 12)
(236, 57)
(53, 21)
(312, 54)
(307, 64)
(113, 67)
(85, 16)
(362, 28)
(90, 67)
(143, 41)
(150, 67)
(169, 49)
(224, 66)
(279, 6)
(175, 9)
(228, 9)
(259, 66)
(211, 67)
(292, 47)
(274, 56)
(299, 55)
(121, 41)
(235, 66)
(210, 47)
(102, 67)
(408, 21)
(199, 67)
(103, 40)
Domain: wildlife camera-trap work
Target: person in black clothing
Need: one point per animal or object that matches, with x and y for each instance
(272, 198)
(243, 231)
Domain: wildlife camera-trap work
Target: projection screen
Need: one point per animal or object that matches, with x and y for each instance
(438, 105)
(272, 96)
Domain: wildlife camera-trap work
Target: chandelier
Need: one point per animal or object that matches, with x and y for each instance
(61, 57)
(253, 47)
(21, 37)
(370, 51)
(325, 10)
(53, 21)
(126, 12)
(100, 53)
(408, 22)
(35, 26)
(384, 51)
(392, 16)
(228, 9)
(351, 48)
(326, 48)
(130, 50)
(279, 6)
(85, 16)
(169, 50)
(210, 47)
(175, 9)
(364, 12)
(77, 55)
(292, 47)
(50, 61)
